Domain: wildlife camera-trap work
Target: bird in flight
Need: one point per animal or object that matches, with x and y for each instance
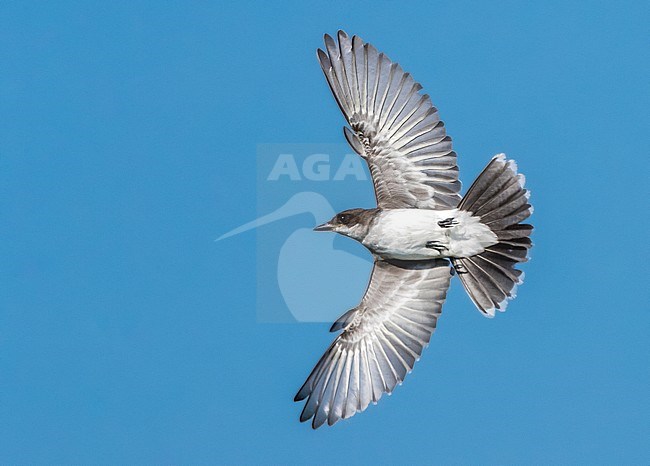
(420, 234)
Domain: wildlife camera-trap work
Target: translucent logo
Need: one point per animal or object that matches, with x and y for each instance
(303, 275)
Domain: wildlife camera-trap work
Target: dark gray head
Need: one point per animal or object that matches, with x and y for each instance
(353, 223)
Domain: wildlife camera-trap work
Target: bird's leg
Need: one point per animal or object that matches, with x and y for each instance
(458, 267)
(437, 245)
(448, 222)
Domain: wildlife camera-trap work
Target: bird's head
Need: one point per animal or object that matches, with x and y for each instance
(353, 223)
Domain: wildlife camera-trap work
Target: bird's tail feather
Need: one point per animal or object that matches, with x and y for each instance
(498, 197)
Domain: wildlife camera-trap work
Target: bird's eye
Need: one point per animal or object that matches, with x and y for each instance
(343, 218)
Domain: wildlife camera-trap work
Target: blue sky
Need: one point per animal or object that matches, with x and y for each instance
(128, 144)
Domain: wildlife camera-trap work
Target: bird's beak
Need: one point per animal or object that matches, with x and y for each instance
(324, 227)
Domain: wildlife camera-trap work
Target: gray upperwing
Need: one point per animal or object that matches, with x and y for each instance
(381, 339)
(398, 130)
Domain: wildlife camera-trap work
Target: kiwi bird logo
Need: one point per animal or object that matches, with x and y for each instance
(421, 232)
(308, 265)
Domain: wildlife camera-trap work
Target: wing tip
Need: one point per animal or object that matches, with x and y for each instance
(304, 392)
(323, 59)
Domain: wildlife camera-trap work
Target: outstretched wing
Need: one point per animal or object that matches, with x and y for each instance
(395, 128)
(381, 339)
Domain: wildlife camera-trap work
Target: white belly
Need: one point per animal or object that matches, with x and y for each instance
(405, 233)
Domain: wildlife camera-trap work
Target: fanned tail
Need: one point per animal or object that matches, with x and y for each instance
(499, 198)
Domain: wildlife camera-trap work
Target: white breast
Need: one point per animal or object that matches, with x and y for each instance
(405, 233)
